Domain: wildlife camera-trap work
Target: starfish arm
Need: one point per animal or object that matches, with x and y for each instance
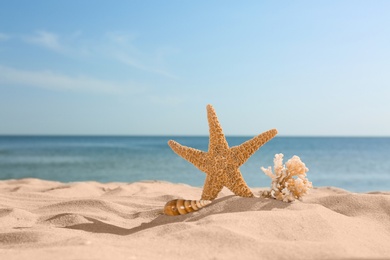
(194, 156)
(217, 141)
(212, 186)
(242, 152)
(238, 185)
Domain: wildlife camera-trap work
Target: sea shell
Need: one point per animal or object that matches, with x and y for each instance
(181, 207)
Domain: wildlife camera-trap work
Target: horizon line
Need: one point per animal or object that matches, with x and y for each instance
(187, 135)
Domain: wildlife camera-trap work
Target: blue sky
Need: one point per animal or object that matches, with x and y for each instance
(318, 68)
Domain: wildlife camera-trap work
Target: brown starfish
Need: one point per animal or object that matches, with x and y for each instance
(221, 163)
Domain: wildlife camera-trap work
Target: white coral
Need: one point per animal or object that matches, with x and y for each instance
(284, 186)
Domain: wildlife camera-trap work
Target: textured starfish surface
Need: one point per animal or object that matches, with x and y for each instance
(221, 163)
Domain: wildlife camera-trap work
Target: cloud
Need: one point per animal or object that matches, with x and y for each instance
(59, 82)
(47, 40)
(131, 61)
(118, 47)
(4, 37)
(121, 48)
(121, 37)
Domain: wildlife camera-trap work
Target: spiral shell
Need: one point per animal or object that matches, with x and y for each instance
(181, 207)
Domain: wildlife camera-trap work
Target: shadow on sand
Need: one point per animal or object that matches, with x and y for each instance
(228, 204)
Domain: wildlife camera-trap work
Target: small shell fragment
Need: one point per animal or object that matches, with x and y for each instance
(181, 207)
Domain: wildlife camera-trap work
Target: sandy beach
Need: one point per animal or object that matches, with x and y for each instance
(90, 220)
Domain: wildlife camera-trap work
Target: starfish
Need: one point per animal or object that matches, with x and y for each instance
(221, 163)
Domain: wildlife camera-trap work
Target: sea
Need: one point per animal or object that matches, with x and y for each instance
(357, 164)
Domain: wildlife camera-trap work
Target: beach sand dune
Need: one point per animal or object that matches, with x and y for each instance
(90, 220)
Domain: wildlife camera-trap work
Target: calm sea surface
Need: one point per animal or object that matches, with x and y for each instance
(355, 164)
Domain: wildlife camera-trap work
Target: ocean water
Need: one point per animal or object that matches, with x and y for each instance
(355, 164)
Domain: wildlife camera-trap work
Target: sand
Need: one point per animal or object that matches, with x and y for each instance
(90, 220)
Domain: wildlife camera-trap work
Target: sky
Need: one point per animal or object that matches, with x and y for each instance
(307, 68)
